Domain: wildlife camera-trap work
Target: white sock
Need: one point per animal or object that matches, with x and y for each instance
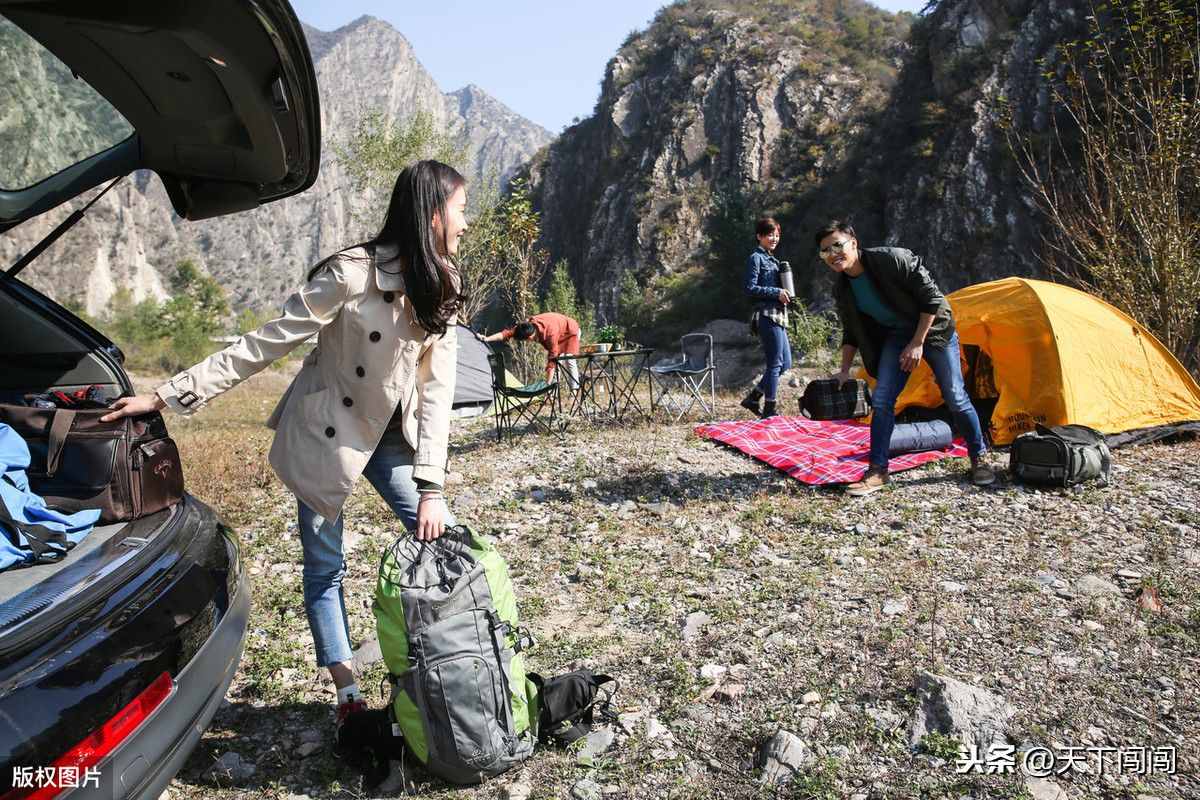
(348, 693)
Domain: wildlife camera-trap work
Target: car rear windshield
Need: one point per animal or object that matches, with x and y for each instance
(49, 119)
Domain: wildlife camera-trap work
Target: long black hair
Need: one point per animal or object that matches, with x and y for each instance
(431, 281)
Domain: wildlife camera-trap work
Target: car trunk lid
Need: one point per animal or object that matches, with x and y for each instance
(220, 98)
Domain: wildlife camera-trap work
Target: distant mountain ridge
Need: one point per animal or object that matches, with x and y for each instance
(131, 238)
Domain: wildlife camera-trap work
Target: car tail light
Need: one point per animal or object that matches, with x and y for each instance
(104, 740)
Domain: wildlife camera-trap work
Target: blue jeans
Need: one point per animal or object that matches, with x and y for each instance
(890, 382)
(779, 356)
(390, 472)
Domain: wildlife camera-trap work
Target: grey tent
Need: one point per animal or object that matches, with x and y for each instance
(473, 386)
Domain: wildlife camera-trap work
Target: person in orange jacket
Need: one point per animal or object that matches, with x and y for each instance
(557, 333)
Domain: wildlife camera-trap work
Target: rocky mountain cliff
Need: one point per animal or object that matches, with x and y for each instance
(953, 192)
(131, 238)
(802, 109)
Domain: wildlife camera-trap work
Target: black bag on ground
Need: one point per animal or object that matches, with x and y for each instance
(368, 742)
(1064, 455)
(568, 704)
(823, 399)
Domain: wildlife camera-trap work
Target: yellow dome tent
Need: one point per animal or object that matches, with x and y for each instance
(1058, 356)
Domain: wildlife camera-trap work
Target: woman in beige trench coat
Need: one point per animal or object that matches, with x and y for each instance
(373, 398)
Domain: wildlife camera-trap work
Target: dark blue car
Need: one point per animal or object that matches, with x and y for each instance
(113, 660)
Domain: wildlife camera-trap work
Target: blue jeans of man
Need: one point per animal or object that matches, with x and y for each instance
(779, 356)
(891, 380)
(390, 472)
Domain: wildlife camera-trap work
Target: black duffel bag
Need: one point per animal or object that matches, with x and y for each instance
(1064, 455)
(127, 468)
(823, 399)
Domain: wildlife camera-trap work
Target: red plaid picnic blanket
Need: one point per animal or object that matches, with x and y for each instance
(815, 452)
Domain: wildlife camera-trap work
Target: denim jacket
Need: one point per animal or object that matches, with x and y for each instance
(761, 280)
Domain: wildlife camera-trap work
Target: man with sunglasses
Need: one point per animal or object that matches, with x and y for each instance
(894, 314)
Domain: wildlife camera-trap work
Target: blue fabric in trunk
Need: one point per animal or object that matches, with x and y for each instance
(29, 531)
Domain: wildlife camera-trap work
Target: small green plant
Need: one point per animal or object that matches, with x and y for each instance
(939, 745)
(613, 334)
(818, 782)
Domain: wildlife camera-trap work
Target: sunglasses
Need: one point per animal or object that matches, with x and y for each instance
(836, 247)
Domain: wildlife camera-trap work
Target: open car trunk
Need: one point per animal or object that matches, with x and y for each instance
(45, 347)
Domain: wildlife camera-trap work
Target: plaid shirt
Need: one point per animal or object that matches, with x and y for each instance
(777, 314)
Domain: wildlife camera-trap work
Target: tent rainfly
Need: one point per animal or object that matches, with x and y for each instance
(1054, 355)
(473, 377)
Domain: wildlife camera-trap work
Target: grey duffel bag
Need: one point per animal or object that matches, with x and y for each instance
(1064, 455)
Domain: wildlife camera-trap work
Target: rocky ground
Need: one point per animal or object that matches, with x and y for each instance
(770, 639)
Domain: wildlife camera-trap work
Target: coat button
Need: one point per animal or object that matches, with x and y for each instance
(375, 336)
(389, 297)
(347, 402)
(360, 372)
(330, 432)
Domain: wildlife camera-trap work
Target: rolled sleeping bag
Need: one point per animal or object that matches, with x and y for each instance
(917, 437)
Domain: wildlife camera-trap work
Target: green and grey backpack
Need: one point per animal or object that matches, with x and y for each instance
(446, 618)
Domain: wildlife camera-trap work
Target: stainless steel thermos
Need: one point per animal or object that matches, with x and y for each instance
(785, 278)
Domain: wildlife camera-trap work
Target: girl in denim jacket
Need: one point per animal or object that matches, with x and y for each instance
(761, 282)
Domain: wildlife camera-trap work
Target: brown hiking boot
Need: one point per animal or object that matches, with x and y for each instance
(981, 473)
(874, 480)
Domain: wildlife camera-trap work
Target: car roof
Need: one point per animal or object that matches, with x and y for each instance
(221, 96)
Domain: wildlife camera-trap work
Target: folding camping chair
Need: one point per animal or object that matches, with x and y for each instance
(681, 384)
(522, 405)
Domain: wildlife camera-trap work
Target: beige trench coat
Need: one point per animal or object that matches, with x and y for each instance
(370, 355)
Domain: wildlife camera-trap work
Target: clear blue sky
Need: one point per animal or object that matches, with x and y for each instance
(542, 59)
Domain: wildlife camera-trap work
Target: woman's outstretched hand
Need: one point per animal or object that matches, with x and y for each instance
(431, 514)
(134, 406)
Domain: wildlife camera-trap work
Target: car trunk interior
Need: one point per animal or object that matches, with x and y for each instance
(17, 581)
(43, 349)
(38, 355)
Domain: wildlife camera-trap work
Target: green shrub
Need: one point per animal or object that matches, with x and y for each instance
(810, 334)
(563, 298)
(173, 335)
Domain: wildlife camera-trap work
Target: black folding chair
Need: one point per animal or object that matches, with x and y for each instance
(534, 405)
(690, 380)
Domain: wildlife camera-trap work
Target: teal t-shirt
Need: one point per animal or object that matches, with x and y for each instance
(870, 303)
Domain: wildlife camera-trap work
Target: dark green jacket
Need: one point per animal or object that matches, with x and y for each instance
(905, 285)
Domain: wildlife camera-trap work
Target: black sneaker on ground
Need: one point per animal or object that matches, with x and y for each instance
(750, 403)
(981, 473)
(365, 741)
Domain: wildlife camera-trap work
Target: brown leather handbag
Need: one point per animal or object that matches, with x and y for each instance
(127, 468)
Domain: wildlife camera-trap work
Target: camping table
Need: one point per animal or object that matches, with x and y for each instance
(608, 385)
